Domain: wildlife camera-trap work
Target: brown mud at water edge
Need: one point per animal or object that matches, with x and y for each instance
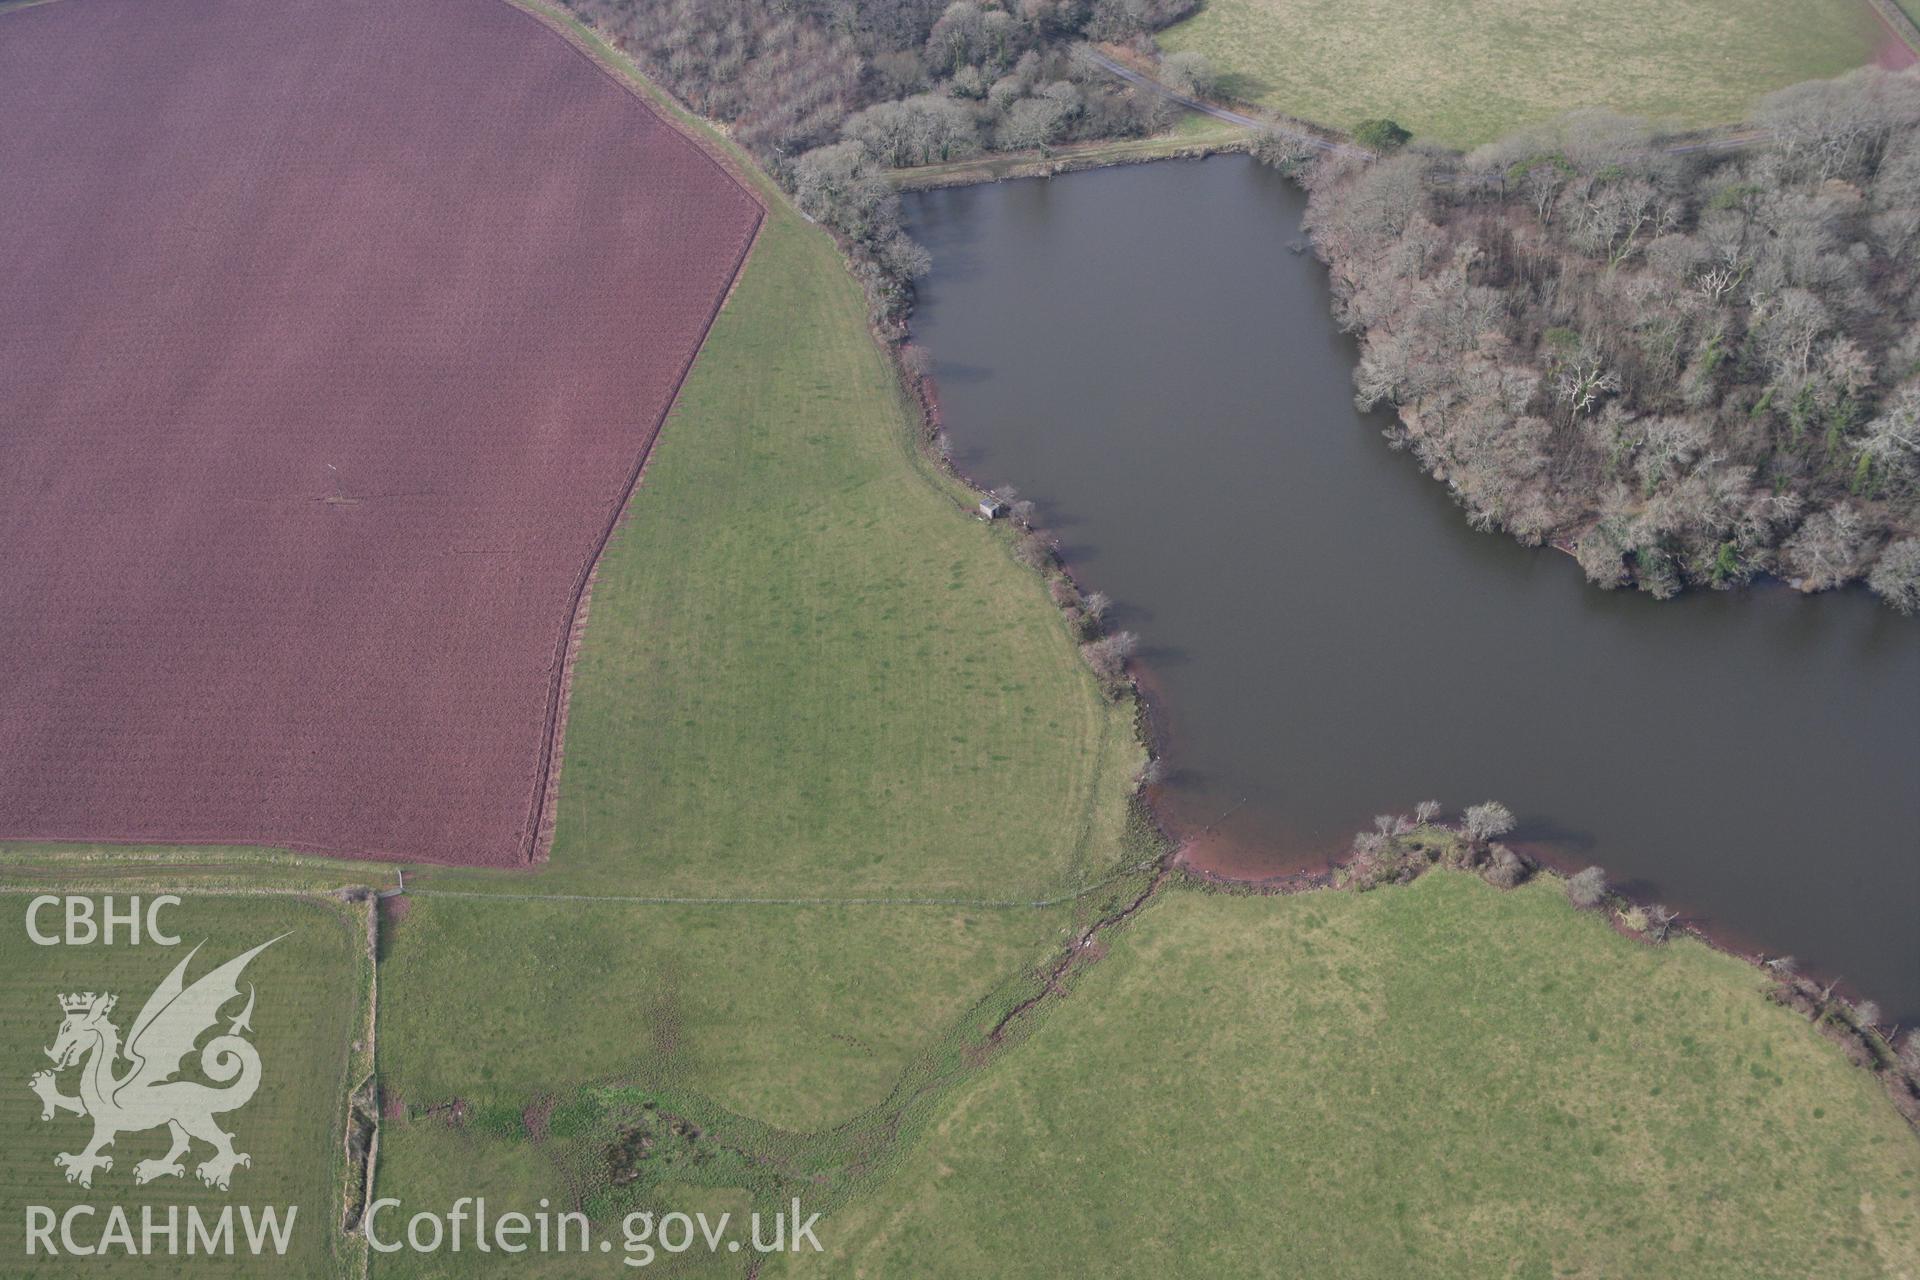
(1242, 860)
(1208, 843)
(1210, 847)
(333, 337)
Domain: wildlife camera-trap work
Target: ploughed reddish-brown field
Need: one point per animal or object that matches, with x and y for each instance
(332, 336)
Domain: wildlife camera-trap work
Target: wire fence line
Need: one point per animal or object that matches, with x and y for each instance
(111, 883)
(743, 901)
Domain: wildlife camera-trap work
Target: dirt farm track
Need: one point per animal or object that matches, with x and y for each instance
(333, 334)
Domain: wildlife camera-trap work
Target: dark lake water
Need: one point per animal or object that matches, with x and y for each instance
(1141, 352)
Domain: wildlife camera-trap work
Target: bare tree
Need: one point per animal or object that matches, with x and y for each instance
(1833, 127)
(1580, 385)
(1426, 811)
(1487, 821)
(923, 129)
(1617, 217)
(1890, 447)
(1108, 656)
(1505, 868)
(1896, 577)
(1787, 329)
(1543, 181)
(1828, 548)
(1896, 198)
(1035, 551)
(1715, 283)
(1286, 152)
(1190, 72)
(1588, 889)
(1036, 122)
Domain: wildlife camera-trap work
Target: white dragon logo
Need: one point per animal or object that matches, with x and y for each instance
(146, 1096)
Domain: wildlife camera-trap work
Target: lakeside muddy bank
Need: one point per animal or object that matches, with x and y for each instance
(1323, 638)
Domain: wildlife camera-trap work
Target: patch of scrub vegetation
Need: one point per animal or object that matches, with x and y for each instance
(437, 1158)
(654, 1140)
(799, 1016)
(308, 1024)
(1435, 1079)
(1464, 73)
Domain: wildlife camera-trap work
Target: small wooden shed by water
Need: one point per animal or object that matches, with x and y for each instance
(992, 508)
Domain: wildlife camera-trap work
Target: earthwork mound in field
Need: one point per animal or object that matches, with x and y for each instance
(332, 336)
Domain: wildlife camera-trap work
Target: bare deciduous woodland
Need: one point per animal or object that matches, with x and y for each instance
(1684, 367)
(828, 94)
(1688, 368)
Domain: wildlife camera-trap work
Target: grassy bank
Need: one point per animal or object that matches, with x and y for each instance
(1438, 1079)
(1461, 74)
(808, 674)
(837, 787)
(805, 665)
(806, 670)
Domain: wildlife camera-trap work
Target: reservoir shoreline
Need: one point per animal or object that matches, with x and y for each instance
(1030, 394)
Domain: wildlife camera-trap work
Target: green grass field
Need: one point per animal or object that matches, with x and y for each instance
(439, 1163)
(805, 667)
(800, 1017)
(808, 673)
(836, 785)
(1466, 72)
(1437, 1080)
(312, 990)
